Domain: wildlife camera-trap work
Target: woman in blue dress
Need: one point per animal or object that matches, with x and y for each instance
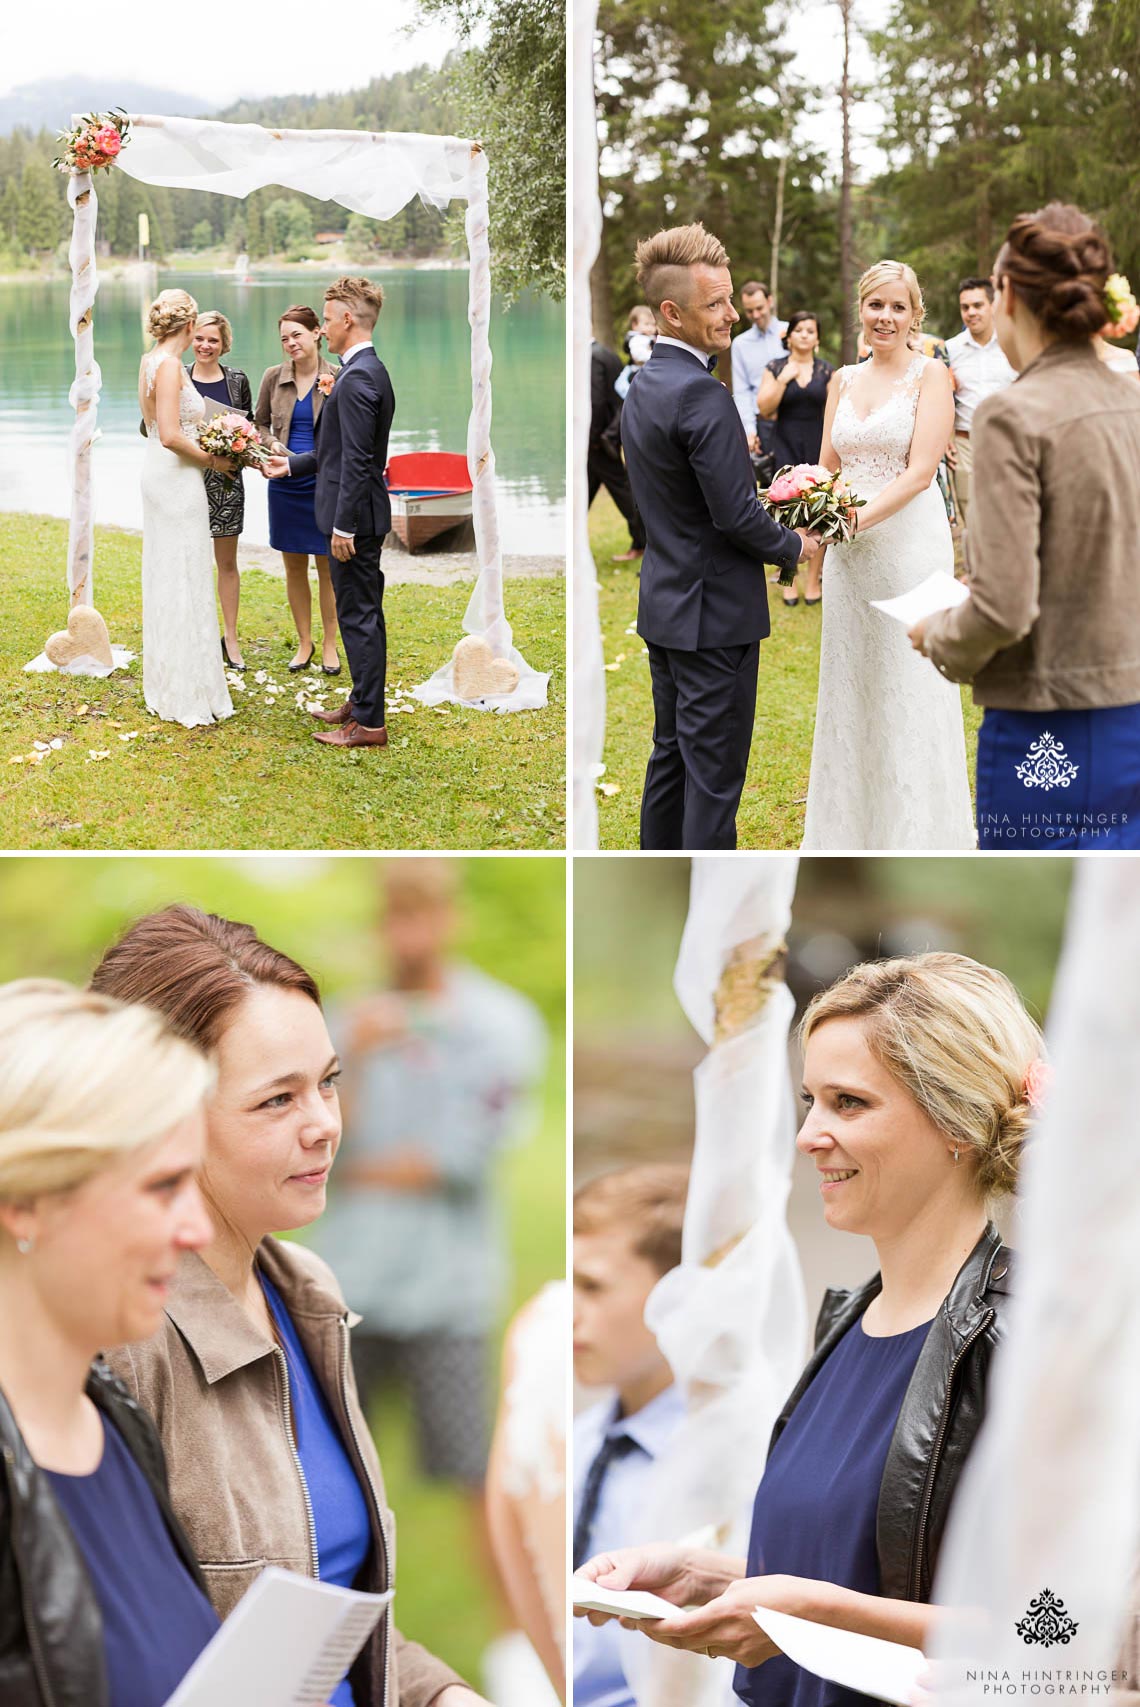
(101, 1129)
(288, 407)
(1050, 636)
(270, 1456)
(921, 1077)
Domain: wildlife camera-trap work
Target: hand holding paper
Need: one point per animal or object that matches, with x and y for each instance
(937, 593)
(887, 1671)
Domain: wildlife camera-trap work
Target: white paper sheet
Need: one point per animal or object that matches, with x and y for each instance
(287, 1643)
(887, 1671)
(937, 592)
(628, 1603)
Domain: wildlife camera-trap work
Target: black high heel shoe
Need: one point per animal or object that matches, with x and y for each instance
(295, 669)
(228, 661)
(332, 669)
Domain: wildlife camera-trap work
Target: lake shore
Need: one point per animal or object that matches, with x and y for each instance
(194, 261)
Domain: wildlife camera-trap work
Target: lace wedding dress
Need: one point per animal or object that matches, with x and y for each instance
(888, 761)
(183, 678)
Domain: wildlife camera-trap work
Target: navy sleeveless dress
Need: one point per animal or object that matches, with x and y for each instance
(156, 1620)
(815, 1508)
(292, 519)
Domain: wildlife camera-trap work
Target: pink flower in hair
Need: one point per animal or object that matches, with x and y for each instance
(1038, 1078)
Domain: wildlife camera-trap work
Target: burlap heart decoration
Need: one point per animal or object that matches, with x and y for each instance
(477, 673)
(85, 636)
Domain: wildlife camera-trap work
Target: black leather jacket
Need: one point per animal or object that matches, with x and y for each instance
(51, 1631)
(941, 1412)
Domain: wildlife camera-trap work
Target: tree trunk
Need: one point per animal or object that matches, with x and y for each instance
(778, 221)
(846, 245)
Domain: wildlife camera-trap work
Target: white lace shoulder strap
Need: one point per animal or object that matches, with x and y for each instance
(152, 361)
(912, 378)
(845, 374)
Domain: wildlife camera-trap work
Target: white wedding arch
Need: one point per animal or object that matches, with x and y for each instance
(373, 173)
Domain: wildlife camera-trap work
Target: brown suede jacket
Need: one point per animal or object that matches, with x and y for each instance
(277, 396)
(218, 1391)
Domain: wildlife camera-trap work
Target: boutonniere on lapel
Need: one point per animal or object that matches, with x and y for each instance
(325, 383)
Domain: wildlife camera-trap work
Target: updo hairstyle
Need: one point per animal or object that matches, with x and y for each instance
(1058, 263)
(302, 315)
(84, 1080)
(170, 311)
(887, 272)
(957, 1037)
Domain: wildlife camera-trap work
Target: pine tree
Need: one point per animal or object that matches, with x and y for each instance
(40, 225)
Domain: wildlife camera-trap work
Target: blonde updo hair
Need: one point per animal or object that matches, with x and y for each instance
(214, 317)
(84, 1080)
(169, 312)
(886, 272)
(957, 1037)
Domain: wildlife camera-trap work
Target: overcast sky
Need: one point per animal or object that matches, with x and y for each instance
(219, 54)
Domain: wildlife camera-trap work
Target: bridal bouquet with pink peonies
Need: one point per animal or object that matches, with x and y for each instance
(94, 144)
(1123, 309)
(232, 436)
(809, 496)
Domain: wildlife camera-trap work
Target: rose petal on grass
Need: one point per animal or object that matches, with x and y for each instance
(92, 755)
(83, 710)
(608, 788)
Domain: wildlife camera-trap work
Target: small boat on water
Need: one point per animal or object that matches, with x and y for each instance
(431, 494)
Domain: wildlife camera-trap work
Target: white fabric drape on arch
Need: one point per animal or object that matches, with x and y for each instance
(732, 1320)
(375, 174)
(1051, 1497)
(589, 694)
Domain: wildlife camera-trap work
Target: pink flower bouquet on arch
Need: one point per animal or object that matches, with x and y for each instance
(810, 496)
(94, 143)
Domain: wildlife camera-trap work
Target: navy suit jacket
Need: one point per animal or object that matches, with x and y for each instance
(709, 537)
(351, 441)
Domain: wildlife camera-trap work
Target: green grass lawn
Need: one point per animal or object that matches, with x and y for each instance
(772, 806)
(451, 778)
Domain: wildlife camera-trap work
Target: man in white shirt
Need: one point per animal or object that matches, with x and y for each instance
(627, 1234)
(762, 343)
(978, 369)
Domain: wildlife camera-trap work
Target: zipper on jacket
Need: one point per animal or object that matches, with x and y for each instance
(314, 1556)
(387, 1619)
(38, 1663)
(936, 1450)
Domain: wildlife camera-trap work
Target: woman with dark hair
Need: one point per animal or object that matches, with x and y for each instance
(250, 1379)
(1050, 636)
(793, 395)
(288, 407)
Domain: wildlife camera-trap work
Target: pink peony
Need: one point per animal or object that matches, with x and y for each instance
(783, 490)
(108, 140)
(1038, 1078)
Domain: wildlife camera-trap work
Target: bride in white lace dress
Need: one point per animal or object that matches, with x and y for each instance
(183, 678)
(888, 763)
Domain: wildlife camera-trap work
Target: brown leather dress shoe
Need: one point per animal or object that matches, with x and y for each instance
(353, 734)
(342, 714)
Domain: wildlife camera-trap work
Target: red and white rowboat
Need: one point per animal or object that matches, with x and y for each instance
(431, 494)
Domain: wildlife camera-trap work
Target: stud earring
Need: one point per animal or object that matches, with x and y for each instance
(24, 1246)
(955, 1152)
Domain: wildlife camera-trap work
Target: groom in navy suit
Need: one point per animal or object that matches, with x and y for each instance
(352, 504)
(703, 605)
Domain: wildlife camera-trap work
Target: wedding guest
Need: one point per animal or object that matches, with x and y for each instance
(761, 343)
(604, 465)
(921, 1078)
(101, 1597)
(793, 397)
(439, 1066)
(627, 1234)
(638, 343)
(978, 368)
(1050, 636)
(249, 1378)
(229, 388)
(289, 403)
